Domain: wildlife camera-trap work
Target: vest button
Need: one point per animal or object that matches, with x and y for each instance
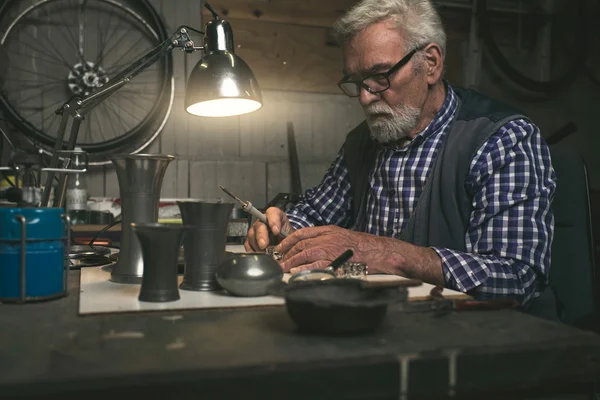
(392, 192)
(390, 232)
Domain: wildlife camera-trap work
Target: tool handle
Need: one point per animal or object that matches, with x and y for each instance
(261, 217)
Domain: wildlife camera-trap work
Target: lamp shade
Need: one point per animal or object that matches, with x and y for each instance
(222, 85)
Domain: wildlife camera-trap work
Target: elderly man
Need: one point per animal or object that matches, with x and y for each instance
(440, 184)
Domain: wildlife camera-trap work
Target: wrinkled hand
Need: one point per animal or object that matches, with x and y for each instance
(258, 237)
(317, 247)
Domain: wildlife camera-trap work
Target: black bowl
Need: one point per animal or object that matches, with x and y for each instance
(339, 306)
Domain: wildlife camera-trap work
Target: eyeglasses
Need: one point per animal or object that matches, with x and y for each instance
(375, 83)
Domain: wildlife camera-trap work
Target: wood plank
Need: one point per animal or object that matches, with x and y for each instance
(262, 133)
(321, 122)
(95, 181)
(169, 184)
(246, 179)
(297, 12)
(174, 134)
(279, 177)
(112, 183)
(212, 137)
(288, 57)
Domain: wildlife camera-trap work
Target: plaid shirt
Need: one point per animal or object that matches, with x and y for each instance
(511, 181)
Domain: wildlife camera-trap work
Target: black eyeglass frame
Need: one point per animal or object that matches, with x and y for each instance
(386, 75)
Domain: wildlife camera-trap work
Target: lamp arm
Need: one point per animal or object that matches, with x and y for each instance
(77, 108)
(180, 39)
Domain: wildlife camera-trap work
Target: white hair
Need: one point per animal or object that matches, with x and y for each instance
(418, 21)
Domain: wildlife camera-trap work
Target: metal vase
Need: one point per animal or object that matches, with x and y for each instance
(160, 245)
(140, 180)
(204, 245)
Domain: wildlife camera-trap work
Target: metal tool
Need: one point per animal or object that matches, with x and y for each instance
(322, 274)
(249, 208)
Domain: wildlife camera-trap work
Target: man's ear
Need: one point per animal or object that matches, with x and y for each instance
(434, 63)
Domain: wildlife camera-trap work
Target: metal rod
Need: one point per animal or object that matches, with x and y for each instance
(60, 134)
(23, 269)
(61, 187)
(66, 261)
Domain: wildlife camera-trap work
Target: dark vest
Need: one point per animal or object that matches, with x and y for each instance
(442, 214)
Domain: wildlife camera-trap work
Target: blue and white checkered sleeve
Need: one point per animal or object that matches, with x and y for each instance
(329, 203)
(511, 228)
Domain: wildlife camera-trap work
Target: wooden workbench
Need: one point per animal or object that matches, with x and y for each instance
(47, 350)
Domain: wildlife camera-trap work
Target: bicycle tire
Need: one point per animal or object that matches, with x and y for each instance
(144, 22)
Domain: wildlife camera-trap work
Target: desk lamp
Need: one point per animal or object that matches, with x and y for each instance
(221, 84)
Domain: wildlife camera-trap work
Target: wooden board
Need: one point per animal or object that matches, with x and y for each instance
(99, 295)
(297, 12)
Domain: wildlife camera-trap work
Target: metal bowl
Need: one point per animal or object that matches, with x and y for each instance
(249, 274)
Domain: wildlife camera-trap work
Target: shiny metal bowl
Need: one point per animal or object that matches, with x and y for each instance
(249, 274)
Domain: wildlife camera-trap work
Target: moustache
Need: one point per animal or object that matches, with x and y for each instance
(378, 111)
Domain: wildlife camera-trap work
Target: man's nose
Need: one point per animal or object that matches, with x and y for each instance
(365, 98)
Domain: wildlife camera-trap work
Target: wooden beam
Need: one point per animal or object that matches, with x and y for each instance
(320, 13)
(289, 57)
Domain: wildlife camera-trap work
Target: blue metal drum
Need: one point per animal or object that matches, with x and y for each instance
(33, 246)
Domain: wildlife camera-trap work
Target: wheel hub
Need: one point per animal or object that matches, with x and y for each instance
(85, 77)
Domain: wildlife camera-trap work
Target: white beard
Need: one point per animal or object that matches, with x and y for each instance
(389, 124)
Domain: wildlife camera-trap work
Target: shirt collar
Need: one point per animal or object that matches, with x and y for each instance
(442, 119)
(443, 116)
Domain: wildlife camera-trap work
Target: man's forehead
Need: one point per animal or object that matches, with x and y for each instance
(378, 46)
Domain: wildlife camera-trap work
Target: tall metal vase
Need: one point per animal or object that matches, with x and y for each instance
(140, 180)
(204, 245)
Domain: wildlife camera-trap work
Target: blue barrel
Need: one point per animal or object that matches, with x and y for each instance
(45, 273)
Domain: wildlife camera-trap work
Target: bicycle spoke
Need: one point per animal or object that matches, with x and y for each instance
(116, 133)
(88, 132)
(37, 73)
(36, 57)
(116, 113)
(49, 128)
(51, 106)
(51, 37)
(72, 40)
(81, 21)
(123, 110)
(119, 67)
(28, 87)
(101, 55)
(22, 101)
(51, 56)
(99, 128)
(56, 51)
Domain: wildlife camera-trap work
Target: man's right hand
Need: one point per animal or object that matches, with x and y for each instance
(258, 237)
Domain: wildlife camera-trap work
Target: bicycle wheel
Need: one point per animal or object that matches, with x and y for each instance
(63, 48)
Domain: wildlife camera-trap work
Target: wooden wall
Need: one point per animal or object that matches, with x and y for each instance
(249, 154)
(288, 44)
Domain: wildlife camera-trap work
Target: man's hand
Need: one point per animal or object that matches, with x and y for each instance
(317, 247)
(258, 237)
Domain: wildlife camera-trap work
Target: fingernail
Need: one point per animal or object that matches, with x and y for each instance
(261, 243)
(293, 270)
